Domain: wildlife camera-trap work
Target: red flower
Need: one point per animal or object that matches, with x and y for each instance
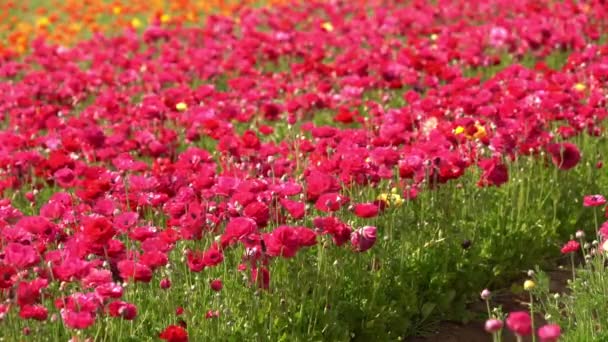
(37, 312)
(594, 201)
(237, 229)
(283, 241)
(132, 270)
(98, 231)
(330, 202)
(174, 333)
(565, 155)
(29, 292)
(259, 212)
(212, 257)
(64, 177)
(366, 210)
(570, 247)
(520, 323)
(294, 208)
(165, 283)
(494, 172)
(216, 285)
(195, 261)
(122, 309)
(336, 228)
(318, 183)
(6, 276)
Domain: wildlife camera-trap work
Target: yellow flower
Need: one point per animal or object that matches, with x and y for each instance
(165, 18)
(116, 10)
(458, 130)
(383, 197)
(136, 23)
(396, 200)
(327, 26)
(481, 131)
(181, 106)
(580, 87)
(43, 22)
(529, 285)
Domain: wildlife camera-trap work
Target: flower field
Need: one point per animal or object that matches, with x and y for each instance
(301, 171)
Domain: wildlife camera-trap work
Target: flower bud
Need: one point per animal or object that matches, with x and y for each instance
(493, 325)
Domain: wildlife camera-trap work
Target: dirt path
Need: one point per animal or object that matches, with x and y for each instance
(474, 331)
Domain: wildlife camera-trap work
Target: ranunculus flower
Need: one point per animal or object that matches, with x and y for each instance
(122, 309)
(366, 210)
(565, 155)
(77, 319)
(64, 177)
(216, 285)
(36, 311)
(363, 239)
(174, 333)
(20, 256)
(570, 247)
(520, 323)
(549, 333)
(594, 201)
(98, 231)
(493, 325)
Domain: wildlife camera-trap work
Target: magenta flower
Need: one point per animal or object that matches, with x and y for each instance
(520, 323)
(594, 200)
(570, 247)
(493, 325)
(549, 333)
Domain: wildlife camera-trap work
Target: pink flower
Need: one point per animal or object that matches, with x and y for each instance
(165, 283)
(570, 247)
(364, 238)
(493, 325)
(520, 323)
(549, 333)
(77, 319)
(594, 201)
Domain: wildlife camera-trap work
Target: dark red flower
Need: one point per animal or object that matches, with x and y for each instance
(564, 155)
(216, 285)
(6, 276)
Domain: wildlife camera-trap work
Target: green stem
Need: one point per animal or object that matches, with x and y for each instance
(532, 317)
